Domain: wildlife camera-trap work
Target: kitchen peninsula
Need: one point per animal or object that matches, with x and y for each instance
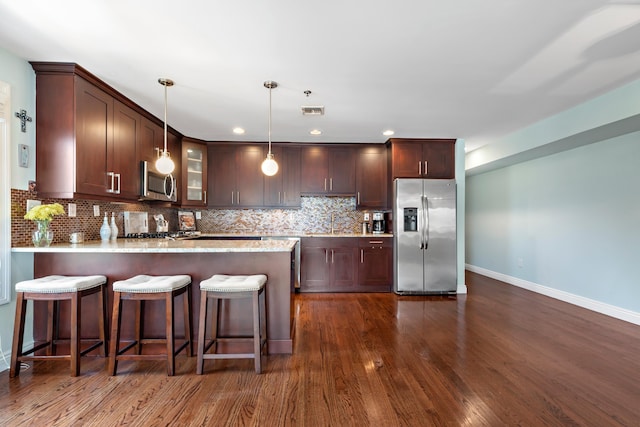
(124, 258)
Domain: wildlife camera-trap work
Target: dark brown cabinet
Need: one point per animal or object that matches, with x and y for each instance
(371, 177)
(283, 189)
(375, 268)
(328, 170)
(328, 264)
(422, 158)
(86, 140)
(90, 138)
(194, 173)
(235, 179)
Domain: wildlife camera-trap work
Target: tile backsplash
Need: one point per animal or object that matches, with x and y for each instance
(314, 216)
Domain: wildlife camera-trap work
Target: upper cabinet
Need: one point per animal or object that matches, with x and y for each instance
(89, 138)
(328, 170)
(422, 158)
(371, 177)
(194, 173)
(235, 178)
(283, 189)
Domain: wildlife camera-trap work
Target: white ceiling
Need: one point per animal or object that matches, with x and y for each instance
(472, 69)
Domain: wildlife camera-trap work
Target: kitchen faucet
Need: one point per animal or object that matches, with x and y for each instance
(332, 219)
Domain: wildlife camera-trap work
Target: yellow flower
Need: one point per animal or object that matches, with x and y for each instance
(44, 212)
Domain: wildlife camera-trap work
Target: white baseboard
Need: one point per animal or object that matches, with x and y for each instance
(5, 355)
(597, 306)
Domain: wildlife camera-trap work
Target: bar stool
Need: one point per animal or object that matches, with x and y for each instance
(145, 288)
(220, 287)
(54, 289)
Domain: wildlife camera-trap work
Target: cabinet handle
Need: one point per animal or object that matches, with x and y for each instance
(426, 170)
(237, 197)
(232, 197)
(326, 256)
(358, 197)
(331, 256)
(205, 197)
(112, 175)
(330, 184)
(325, 184)
(375, 242)
(419, 168)
(361, 256)
(119, 178)
(284, 197)
(279, 199)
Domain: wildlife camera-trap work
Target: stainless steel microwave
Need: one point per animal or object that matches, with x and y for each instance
(156, 186)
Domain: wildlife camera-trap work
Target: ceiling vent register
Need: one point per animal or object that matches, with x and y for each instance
(313, 110)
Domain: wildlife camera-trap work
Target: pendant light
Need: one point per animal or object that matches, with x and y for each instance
(269, 165)
(164, 164)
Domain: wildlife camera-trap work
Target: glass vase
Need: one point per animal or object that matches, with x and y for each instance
(42, 237)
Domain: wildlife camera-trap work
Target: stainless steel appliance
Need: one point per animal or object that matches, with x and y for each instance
(156, 186)
(378, 223)
(424, 236)
(295, 262)
(136, 222)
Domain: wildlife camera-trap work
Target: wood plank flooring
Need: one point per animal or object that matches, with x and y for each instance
(497, 356)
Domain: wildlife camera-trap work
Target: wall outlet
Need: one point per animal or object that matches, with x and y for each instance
(198, 215)
(32, 203)
(71, 210)
(96, 210)
(366, 216)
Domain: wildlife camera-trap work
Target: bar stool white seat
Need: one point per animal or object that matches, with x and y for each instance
(221, 287)
(54, 289)
(143, 288)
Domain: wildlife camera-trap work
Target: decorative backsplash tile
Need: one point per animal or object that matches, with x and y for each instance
(314, 216)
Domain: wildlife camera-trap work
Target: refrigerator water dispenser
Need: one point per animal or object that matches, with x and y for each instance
(410, 219)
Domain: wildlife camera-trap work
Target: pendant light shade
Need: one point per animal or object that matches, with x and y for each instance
(164, 164)
(269, 165)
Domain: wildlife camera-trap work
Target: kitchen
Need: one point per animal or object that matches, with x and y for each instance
(480, 183)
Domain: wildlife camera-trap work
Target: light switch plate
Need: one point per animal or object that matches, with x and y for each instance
(23, 153)
(96, 210)
(32, 203)
(71, 209)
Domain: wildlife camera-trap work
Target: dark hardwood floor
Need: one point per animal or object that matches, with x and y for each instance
(497, 356)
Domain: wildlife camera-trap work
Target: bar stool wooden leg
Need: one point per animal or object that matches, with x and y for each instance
(102, 322)
(171, 358)
(18, 334)
(115, 333)
(256, 332)
(74, 344)
(202, 332)
(188, 326)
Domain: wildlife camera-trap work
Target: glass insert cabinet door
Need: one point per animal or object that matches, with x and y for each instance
(195, 160)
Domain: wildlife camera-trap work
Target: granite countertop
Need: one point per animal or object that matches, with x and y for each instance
(294, 234)
(166, 245)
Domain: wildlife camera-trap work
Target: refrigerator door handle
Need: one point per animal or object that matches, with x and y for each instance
(421, 223)
(425, 202)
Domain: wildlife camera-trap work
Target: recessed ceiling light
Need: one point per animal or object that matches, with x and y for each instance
(388, 132)
(315, 132)
(238, 131)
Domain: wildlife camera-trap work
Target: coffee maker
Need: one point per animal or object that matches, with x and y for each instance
(378, 226)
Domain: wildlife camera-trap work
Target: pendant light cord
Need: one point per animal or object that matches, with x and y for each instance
(165, 118)
(269, 120)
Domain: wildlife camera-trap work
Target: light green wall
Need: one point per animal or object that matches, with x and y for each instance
(569, 214)
(19, 74)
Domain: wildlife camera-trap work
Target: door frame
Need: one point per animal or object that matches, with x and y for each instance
(5, 194)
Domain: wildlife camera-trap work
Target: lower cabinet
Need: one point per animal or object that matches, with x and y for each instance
(345, 264)
(375, 267)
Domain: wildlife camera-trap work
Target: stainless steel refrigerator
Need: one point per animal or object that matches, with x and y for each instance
(424, 252)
